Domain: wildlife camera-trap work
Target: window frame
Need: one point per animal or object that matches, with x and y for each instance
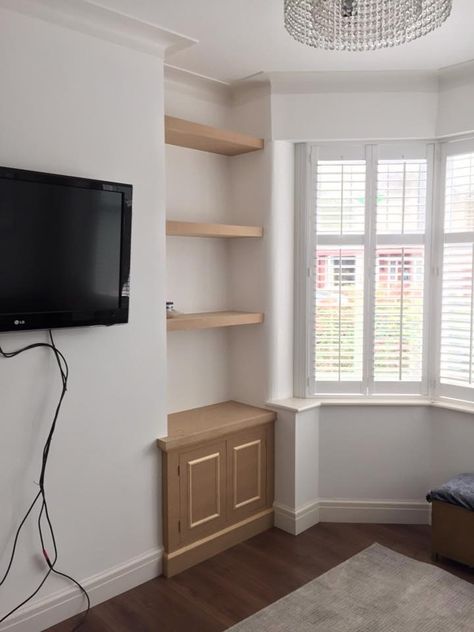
(305, 247)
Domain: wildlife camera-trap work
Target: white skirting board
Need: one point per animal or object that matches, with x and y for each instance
(296, 521)
(375, 511)
(46, 612)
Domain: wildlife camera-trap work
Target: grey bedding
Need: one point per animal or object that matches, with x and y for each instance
(457, 491)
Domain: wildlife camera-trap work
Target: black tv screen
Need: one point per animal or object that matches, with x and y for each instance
(64, 251)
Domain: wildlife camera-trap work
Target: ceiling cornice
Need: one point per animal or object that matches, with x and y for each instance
(252, 87)
(98, 21)
(346, 81)
(340, 82)
(179, 74)
(457, 75)
(192, 83)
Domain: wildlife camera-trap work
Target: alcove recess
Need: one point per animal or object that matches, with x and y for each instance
(211, 139)
(218, 459)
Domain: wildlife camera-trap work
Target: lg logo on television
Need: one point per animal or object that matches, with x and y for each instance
(20, 322)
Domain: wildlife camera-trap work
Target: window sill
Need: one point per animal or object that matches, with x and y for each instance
(294, 404)
(299, 405)
(458, 405)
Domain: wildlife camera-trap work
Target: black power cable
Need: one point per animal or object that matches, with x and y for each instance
(41, 495)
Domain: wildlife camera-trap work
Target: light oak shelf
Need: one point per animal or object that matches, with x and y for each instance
(210, 320)
(204, 138)
(210, 422)
(195, 229)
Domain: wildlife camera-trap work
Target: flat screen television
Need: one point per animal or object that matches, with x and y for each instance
(64, 251)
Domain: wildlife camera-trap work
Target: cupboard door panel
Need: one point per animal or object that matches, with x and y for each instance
(202, 491)
(247, 473)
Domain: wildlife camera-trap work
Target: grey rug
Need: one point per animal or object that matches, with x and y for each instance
(377, 590)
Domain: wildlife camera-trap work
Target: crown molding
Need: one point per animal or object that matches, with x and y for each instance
(215, 90)
(250, 88)
(457, 75)
(93, 19)
(266, 83)
(351, 81)
(320, 82)
(187, 82)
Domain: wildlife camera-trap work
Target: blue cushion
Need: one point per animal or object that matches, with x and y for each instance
(457, 491)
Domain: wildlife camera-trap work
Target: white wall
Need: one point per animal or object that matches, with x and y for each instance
(250, 270)
(372, 105)
(297, 470)
(353, 106)
(197, 99)
(198, 188)
(374, 452)
(75, 104)
(456, 94)
(281, 281)
(395, 453)
(250, 277)
(452, 444)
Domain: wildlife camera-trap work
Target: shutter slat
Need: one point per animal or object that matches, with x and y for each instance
(339, 194)
(459, 202)
(458, 258)
(401, 196)
(340, 197)
(456, 314)
(339, 305)
(398, 343)
(399, 272)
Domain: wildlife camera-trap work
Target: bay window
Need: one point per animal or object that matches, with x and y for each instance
(385, 270)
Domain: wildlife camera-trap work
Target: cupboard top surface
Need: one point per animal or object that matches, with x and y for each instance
(210, 422)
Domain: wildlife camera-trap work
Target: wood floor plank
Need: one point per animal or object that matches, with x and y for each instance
(236, 583)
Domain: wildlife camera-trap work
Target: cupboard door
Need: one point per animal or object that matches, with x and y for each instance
(247, 473)
(202, 492)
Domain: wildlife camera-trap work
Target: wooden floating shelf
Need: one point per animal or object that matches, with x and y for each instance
(194, 229)
(204, 138)
(210, 320)
(211, 422)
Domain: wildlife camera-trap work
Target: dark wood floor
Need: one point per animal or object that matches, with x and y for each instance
(233, 585)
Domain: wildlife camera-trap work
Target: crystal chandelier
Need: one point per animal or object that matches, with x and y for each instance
(359, 25)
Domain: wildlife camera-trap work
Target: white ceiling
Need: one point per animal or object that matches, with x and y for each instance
(238, 38)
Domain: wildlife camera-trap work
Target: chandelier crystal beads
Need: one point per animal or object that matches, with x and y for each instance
(360, 25)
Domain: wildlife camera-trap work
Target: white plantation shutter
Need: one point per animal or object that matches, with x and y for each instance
(339, 298)
(457, 315)
(401, 196)
(339, 194)
(340, 197)
(401, 202)
(459, 209)
(368, 262)
(457, 297)
(398, 340)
